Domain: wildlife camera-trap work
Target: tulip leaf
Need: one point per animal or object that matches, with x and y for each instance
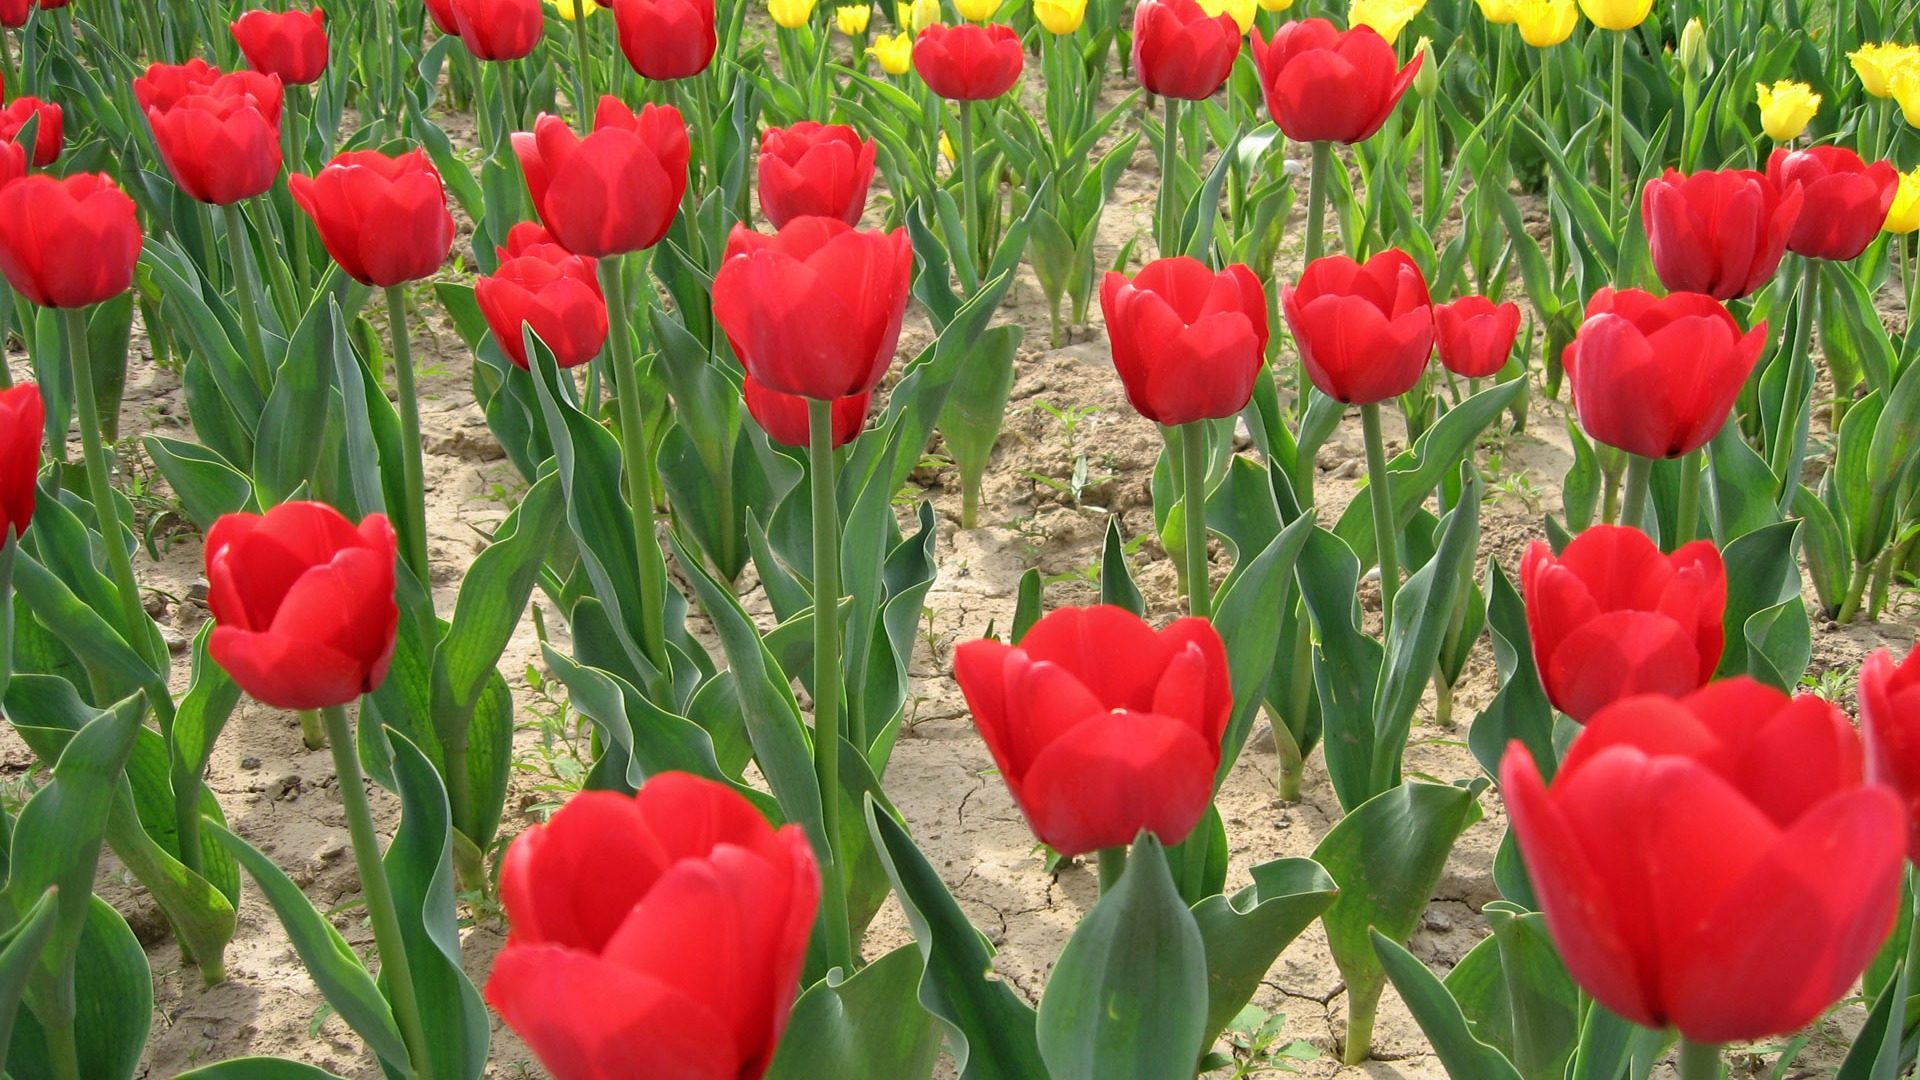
(1610, 1045)
(1520, 710)
(112, 1003)
(1346, 662)
(1891, 455)
(206, 484)
(977, 402)
(638, 739)
(1439, 1015)
(1742, 487)
(1252, 609)
(989, 1030)
(1534, 1014)
(1027, 607)
(867, 1027)
(361, 492)
(1128, 998)
(24, 946)
(294, 419)
(95, 641)
(1580, 489)
(1116, 578)
(183, 298)
(258, 1068)
(1850, 327)
(1876, 1050)
(204, 710)
(1762, 574)
(1246, 932)
(493, 596)
(1829, 561)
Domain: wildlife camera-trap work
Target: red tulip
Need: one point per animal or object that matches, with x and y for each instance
(666, 39)
(220, 149)
(1612, 617)
(291, 46)
(1364, 332)
(1846, 199)
(1475, 335)
(1657, 377)
(441, 12)
(660, 935)
(531, 238)
(815, 309)
(23, 420)
(1890, 721)
(302, 602)
(814, 170)
(13, 162)
(50, 5)
(13, 13)
(383, 219)
(784, 416)
(1714, 863)
(1718, 233)
(968, 62)
(1186, 341)
(1102, 727)
(164, 85)
(1180, 52)
(614, 191)
(1325, 85)
(68, 243)
(48, 135)
(552, 291)
(499, 29)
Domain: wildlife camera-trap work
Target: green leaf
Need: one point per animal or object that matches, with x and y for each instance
(78, 626)
(1346, 662)
(1027, 608)
(207, 485)
(1439, 1015)
(17, 962)
(1247, 932)
(1762, 574)
(1520, 710)
(1116, 580)
(976, 404)
(868, 1027)
(258, 1068)
(1742, 487)
(1251, 610)
(1875, 1053)
(294, 420)
(113, 1011)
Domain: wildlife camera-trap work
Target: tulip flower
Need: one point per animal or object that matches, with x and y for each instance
(976, 10)
(657, 935)
(164, 85)
(441, 12)
(1364, 331)
(1243, 12)
(553, 291)
(1903, 86)
(220, 149)
(1275, 5)
(893, 52)
(968, 62)
(666, 39)
(916, 15)
(1060, 17)
(614, 191)
(1786, 108)
(23, 423)
(814, 170)
(1545, 23)
(570, 10)
(13, 13)
(13, 162)
(1323, 85)
(1718, 233)
(1181, 52)
(1500, 12)
(815, 309)
(1904, 215)
(1474, 335)
(1845, 200)
(291, 45)
(68, 243)
(853, 19)
(1616, 14)
(383, 219)
(49, 131)
(1877, 64)
(1386, 17)
(499, 29)
(1712, 864)
(784, 416)
(1187, 342)
(1611, 617)
(790, 14)
(1889, 697)
(1100, 726)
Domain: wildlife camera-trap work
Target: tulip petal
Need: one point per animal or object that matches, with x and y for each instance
(1113, 775)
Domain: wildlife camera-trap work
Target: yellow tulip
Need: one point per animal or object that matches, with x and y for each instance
(1241, 10)
(946, 148)
(573, 9)
(976, 10)
(1786, 108)
(894, 52)
(1870, 63)
(1500, 11)
(1060, 16)
(853, 19)
(1389, 17)
(791, 14)
(1545, 23)
(917, 16)
(1903, 86)
(1693, 51)
(1616, 14)
(1275, 5)
(1427, 79)
(1904, 215)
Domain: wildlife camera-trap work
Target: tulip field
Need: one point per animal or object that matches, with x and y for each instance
(977, 539)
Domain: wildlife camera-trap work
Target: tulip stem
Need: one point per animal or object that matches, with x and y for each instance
(1386, 539)
(1193, 460)
(1168, 220)
(249, 290)
(1789, 449)
(1698, 1060)
(412, 471)
(381, 910)
(1688, 517)
(1316, 241)
(970, 226)
(639, 462)
(1633, 502)
(313, 732)
(1113, 863)
(826, 674)
(583, 67)
(1617, 212)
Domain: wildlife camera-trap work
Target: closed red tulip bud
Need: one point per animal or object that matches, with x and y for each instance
(1714, 863)
(969, 62)
(499, 29)
(1611, 617)
(1657, 377)
(383, 219)
(1890, 721)
(441, 12)
(1718, 233)
(1845, 199)
(291, 45)
(220, 149)
(1101, 726)
(1180, 52)
(784, 416)
(815, 309)
(49, 133)
(814, 170)
(660, 935)
(68, 243)
(13, 13)
(1475, 335)
(1365, 332)
(23, 424)
(1326, 85)
(553, 292)
(164, 85)
(1187, 342)
(302, 603)
(615, 190)
(666, 39)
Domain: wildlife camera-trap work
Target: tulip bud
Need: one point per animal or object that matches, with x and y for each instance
(1545, 23)
(1786, 108)
(853, 19)
(1427, 79)
(893, 52)
(1693, 54)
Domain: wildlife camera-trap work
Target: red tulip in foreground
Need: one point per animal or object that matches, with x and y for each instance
(1186, 341)
(1181, 52)
(1890, 721)
(617, 189)
(23, 419)
(1714, 863)
(13, 162)
(1325, 85)
(49, 131)
(68, 243)
(1475, 335)
(814, 170)
(555, 292)
(968, 62)
(1611, 617)
(302, 603)
(1718, 233)
(815, 309)
(1365, 332)
(1101, 726)
(784, 416)
(383, 219)
(291, 45)
(1845, 200)
(1657, 376)
(499, 29)
(660, 935)
(221, 148)
(666, 39)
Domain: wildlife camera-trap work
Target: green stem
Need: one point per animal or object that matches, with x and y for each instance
(1615, 166)
(1913, 939)
(63, 1052)
(313, 732)
(1856, 589)
(1193, 492)
(1113, 863)
(1386, 537)
(1688, 517)
(583, 68)
(970, 218)
(826, 673)
(412, 471)
(249, 289)
(1316, 241)
(1633, 504)
(1699, 1061)
(381, 910)
(1790, 447)
(1883, 578)
(638, 455)
(1168, 208)
(1361, 1010)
